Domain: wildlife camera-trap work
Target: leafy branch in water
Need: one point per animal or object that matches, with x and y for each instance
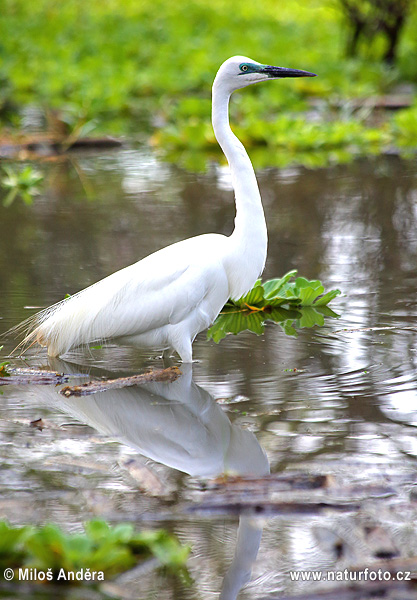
(293, 302)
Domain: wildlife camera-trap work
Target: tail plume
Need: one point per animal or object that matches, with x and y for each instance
(32, 330)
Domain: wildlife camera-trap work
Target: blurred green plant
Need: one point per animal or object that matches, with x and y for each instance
(286, 139)
(70, 123)
(292, 302)
(98, 64)
(111, 549)
(24, 183)
(405, 127)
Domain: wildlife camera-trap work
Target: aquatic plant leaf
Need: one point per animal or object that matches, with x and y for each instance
(302, 282)
(283, 300)
(326, 298)
(235, 321)
(97, 529)
(310, 317)
(279, 300)
(273, 287)
(307, 290)
(288, 328)
(11, 544)
(21, 183)
(308, 295)
(219, 329)
(254, 297)
(278, 315)
(164, 546)
(326, 311)
(9, 199)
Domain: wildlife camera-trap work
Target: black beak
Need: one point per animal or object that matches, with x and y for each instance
(275, 72)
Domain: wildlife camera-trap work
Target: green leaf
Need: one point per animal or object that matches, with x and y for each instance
(23, 183)
(278, 301)
(326, 311)
(254, 297)
(288, 329)
(235, 321)
(326, 298)
(310, 317)
(273, 287)
(307, 290)
(302, 282)
(9, 199)
(308, 295)
(278, 315)
(11, 544)
(97, 529)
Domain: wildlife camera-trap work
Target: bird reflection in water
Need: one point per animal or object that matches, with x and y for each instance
(180, 425)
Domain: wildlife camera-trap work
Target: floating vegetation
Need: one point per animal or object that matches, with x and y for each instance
(100, 549)
(23, 183)
(292, 302)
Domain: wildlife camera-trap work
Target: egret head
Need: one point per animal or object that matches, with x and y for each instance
(239, 71)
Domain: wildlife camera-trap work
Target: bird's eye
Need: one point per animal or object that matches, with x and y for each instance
(244, 68)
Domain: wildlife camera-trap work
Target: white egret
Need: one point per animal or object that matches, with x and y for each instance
(164, 300)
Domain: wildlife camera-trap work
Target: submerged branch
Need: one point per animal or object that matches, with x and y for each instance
(92, 387)
(32, 377)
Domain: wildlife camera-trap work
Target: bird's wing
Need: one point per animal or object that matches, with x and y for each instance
(161, 289)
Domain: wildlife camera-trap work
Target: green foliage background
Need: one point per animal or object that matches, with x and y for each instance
(147, 66)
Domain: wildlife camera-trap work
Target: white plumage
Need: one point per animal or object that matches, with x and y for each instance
(164, 300)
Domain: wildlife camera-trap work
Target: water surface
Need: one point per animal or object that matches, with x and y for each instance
(338, 401)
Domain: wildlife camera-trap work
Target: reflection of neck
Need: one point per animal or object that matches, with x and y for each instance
(249, 238)
(247, 546)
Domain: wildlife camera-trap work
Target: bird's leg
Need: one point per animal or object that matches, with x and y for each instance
(167, 358)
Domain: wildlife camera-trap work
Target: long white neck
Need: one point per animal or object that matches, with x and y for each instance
(249, 238)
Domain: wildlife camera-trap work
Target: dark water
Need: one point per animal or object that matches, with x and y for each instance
(339, 401)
